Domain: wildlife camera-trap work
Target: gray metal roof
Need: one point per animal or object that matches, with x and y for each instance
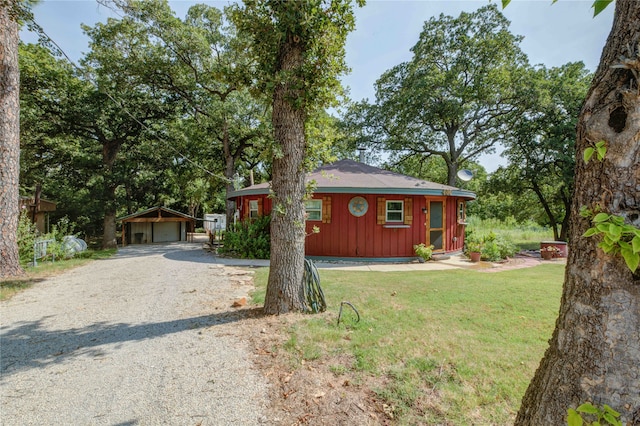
(348, 176)
(143, 213)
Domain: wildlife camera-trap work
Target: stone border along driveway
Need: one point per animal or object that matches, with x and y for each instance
(144, 338)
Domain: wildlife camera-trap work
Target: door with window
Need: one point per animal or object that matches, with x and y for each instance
(436, 223)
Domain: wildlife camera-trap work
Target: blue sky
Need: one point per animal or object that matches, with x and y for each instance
(554, 34)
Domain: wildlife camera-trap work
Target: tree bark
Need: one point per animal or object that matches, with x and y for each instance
(110, 150)
(9, 143)
(594, 354)
(284, 288)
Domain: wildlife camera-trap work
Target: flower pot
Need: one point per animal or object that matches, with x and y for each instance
(546, 255)
(475, 256)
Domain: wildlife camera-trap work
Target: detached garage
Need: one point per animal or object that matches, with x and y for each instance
(156, 225)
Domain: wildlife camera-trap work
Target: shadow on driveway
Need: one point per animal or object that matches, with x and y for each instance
(27, 345)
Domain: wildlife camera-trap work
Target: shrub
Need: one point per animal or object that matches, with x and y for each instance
(248, 239)
(493, 247)
(423, 251)
(27, 234)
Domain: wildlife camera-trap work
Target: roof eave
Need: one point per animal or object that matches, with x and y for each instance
(351, 190)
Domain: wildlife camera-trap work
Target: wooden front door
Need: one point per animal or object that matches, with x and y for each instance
(436, 223)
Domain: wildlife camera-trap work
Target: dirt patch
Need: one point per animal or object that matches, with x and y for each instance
(318, 392)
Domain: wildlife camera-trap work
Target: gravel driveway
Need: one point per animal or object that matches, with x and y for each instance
(147, 337)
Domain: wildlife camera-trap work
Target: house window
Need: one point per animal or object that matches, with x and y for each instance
(313, 209)
(461, 212)
(253, 209)
(395, 211)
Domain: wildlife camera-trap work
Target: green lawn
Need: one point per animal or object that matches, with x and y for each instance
(454, 347)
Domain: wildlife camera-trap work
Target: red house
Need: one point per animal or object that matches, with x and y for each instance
(369, 213)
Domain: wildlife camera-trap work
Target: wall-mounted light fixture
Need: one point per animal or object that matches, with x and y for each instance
(424, 210)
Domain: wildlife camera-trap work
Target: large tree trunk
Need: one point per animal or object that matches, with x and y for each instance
(109, 152)
(229, 172)
(284, 288)
(9, 143)
(594, 354)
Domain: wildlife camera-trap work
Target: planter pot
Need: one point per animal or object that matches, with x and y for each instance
(475, 256)
(546, 255)
(561, 246)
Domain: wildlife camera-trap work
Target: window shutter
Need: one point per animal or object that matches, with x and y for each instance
(326, 209)
(245, 208)
(408, 211)
(259, 206)
(382, 211)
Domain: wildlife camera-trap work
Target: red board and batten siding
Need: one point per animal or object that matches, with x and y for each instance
(345, 235)
(350, 236)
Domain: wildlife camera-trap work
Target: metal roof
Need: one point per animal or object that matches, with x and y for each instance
(153, 209)
(348, 176)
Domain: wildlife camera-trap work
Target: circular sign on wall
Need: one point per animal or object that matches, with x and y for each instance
(358, 206)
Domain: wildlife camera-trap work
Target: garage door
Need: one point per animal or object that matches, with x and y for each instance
(166, 232)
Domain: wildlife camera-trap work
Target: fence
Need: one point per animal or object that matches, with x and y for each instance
(40, 250)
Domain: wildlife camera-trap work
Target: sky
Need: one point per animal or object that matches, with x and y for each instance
(554, 34)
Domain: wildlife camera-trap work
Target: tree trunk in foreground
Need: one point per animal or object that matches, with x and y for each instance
(284, 288)
(9, 144)
(594, 354)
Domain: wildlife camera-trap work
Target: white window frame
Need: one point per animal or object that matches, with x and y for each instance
(462, 214)
(313, 213)
(394, 211)
(253, 209)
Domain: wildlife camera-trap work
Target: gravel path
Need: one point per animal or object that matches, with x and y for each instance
(147, 337)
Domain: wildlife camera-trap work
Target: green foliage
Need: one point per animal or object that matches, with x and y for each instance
(493, 247)
(248, 239)
(606, 414)
(460, 88)
(616, 236)
(423, 251)
(27, 234)
(319, 28)
(600, 148)
(542, 144)
(598, 5)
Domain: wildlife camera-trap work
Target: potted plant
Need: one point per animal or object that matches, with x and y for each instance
(474, 250)
(423, 252)
(549, 252)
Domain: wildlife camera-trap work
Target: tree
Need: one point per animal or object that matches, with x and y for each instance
(457, 96)
(299, 51)
(594, 352)
(201, 61)
(541, 151)
(9, 139)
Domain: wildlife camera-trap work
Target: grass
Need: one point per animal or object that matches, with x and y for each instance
(35, 274)
(447, 347)
(526, 236)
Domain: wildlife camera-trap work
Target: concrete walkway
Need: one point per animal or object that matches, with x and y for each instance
(454, 261)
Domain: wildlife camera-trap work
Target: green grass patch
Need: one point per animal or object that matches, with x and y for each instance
(452, 347)
(35, 274)
(525, 236)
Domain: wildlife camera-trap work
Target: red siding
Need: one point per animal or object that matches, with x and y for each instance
(349, 236)
(455, 231)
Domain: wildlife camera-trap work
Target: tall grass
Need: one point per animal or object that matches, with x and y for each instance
(444, 347)
(526, 236)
